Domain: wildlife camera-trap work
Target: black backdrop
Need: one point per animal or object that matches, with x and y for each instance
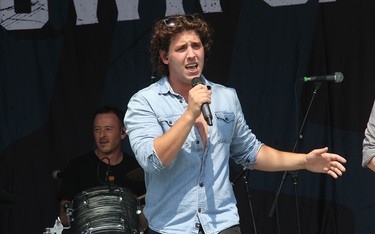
(55, 70)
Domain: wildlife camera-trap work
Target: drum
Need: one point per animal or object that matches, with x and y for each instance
(105, 210)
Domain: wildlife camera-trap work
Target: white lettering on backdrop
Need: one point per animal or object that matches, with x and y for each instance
(86, 11)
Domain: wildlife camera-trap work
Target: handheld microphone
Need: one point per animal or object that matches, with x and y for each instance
(57, 174)
(205, 107)
(337, 78)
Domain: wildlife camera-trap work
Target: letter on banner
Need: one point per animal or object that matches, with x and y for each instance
(174, 7)
(127, 10)
(209, 6)
(86, 11)
(276, 3)
(11, 20)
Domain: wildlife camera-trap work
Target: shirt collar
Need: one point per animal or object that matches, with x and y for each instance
(165, 87)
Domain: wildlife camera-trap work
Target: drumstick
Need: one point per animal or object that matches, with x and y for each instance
(141, 197)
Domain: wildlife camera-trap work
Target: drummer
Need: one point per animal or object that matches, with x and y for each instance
(107, 164)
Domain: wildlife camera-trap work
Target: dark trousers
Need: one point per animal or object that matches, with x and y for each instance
(232, 230)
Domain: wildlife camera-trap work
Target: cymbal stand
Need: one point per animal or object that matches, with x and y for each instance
(294, 174)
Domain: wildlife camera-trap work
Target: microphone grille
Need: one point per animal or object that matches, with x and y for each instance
(196, 80)
(339, 77)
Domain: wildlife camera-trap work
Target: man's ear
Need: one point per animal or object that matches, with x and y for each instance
(123, 133)
(164, 56)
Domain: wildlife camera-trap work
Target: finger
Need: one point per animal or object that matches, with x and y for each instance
(337, 171)
(334, 157)
(341, 159)
(340, 166)
(333, 174)
(321, 150)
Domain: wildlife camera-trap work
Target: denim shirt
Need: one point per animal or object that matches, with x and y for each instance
(193, 190)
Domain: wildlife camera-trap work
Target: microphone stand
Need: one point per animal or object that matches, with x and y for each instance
(294, 174)
(244, 174)
(108, 176)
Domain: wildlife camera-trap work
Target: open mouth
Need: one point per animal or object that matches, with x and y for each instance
(192, 67)
(103, 142)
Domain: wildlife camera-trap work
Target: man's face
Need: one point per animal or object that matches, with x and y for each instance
(108, 133)
(185, 58)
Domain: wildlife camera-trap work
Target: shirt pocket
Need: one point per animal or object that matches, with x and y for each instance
(225, 122)
(167, 121)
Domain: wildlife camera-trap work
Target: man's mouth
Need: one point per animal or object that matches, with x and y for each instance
(192, 66)
(103, 142)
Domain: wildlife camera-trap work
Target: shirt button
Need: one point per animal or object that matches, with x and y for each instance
(180, 100)
(201, 184)
(198, 225)
(199, 210)
(197, 141)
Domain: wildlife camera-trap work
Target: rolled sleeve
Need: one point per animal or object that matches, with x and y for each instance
(368, 151)
(245, 146)
(142, 128)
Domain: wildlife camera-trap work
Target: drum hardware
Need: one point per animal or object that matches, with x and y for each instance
(139, 211)
(57, 228)
(139, 205)
(69, 213)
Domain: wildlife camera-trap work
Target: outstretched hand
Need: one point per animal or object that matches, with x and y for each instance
(320, 161)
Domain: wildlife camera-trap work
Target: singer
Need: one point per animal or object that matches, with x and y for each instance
(185, 160)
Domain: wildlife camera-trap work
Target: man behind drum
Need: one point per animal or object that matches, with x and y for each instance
(105, 165)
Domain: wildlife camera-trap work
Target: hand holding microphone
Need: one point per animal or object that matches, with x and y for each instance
(205, 108)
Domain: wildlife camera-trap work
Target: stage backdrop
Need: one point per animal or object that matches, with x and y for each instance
(60, 60)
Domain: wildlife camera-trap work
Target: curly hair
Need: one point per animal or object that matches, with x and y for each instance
(165, 29)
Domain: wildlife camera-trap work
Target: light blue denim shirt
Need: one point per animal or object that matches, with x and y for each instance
(195, 188)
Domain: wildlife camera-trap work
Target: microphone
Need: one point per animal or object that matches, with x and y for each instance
(205, 107)
(337, 78)
(57, 174)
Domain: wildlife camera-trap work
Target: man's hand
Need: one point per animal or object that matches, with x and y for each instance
(320, 161)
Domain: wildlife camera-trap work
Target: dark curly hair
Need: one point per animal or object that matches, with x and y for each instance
(165, 29)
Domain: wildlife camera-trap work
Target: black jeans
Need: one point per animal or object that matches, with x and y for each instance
(232, 230)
